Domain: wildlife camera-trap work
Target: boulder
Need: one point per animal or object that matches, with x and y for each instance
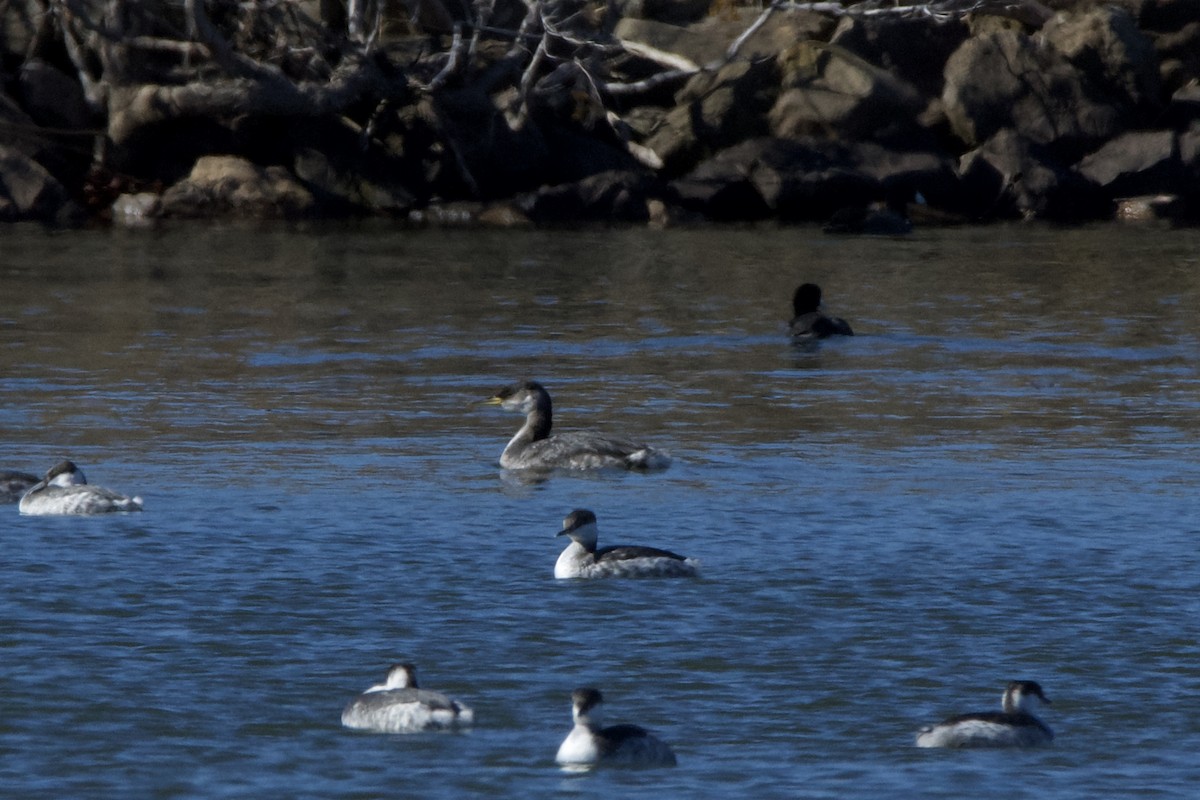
(28, 191)
(1006, 80)
(1179, 57)
(1189, 158)
(51, 97)
(1008, 176)
(675, 12)
(349, 186)
(912, 49)
(715, 111)
(1140, 163)
(721, 188)
(1118, 60)
(221, 185)
(830, 91)
(618, 196)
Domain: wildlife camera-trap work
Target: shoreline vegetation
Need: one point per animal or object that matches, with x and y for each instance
(862, 116)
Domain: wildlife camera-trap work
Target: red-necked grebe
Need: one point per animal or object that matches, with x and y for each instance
(534, 448)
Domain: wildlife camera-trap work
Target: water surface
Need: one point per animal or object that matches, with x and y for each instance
(997, 478)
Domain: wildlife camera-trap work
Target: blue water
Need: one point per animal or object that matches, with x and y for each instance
(996, 479)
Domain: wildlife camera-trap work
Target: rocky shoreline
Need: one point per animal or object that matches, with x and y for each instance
(661, 112)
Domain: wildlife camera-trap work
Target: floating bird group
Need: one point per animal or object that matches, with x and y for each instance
(398, 705)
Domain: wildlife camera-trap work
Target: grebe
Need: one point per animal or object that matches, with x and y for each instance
(398, 706)
(808, 321)
(534, 448)
(581, 559)
(622, 745)
(65, 490)
(15, 484)
(1014, 726)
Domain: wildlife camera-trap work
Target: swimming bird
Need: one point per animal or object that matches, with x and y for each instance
(620, 745)
(398, 706)
(808, 321)
(581, 559)
(534, 448)
(14, 484)
(65, 490)
(1014, 726)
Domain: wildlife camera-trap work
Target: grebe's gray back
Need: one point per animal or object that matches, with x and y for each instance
(588, 744)
(398, 705)
(582, 559)
(65, 491)
(1013, 726)
(13, 485)
(533, 446)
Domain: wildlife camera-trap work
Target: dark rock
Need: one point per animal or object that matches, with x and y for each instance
(223, 185)
(344, 185)
(1184, 108)
(28, 191)
(1162, 15)
(1007, 80)
(19, 24)
(903, 175)
(1118, 60)
(1189, 158)
(677, 12)
(1011, 177)
(466, 214)
(721, 188)
(911, 49)
(1179, 57)
(829, 91)
(1142, 163)
(609, 197)
(51, 97)
(716, 110)
(494, 158)
(574, 154)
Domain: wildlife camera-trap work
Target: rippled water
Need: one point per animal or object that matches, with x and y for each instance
(997, 478)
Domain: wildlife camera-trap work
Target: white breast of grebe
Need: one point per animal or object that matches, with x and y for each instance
(618, 745)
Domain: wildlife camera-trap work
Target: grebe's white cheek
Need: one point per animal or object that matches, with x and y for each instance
(65, 479)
